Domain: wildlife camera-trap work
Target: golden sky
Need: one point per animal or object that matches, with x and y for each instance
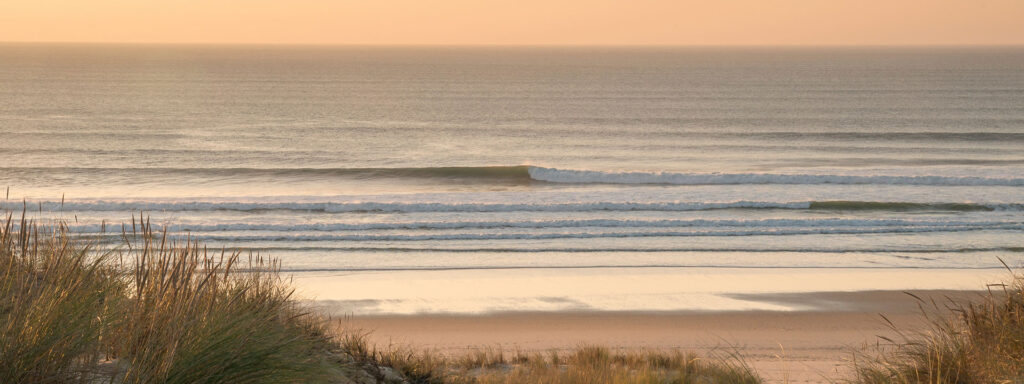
(589, 22)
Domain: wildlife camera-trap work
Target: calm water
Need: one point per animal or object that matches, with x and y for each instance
(368, 161)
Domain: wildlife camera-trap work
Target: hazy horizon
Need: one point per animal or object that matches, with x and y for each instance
(553, 45)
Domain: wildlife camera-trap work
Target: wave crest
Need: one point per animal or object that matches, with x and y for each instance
(555, 175)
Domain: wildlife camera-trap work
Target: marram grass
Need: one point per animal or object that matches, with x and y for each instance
(979, 342)
(54, 305)
(150, 311)
(586, 364)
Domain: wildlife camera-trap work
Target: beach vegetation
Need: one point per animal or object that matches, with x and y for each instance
(151, 310)
(584, 364)
(974, 342)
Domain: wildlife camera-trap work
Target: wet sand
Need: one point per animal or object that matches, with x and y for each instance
(805, 346)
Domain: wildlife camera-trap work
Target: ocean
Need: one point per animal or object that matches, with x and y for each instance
(396, 180)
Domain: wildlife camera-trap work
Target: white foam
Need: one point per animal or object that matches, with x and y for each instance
(556, 175)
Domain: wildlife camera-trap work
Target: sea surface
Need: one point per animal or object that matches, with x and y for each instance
(436, 172)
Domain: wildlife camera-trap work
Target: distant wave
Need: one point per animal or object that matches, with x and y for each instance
(525, 173)
(975, 136)
(556, 175)
(371, 207)
(908, 206)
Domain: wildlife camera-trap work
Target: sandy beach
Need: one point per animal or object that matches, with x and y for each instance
(808, 346)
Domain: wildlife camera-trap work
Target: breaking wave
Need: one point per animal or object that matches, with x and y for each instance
(556, 175)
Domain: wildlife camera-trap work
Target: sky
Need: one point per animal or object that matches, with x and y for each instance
(517, 22)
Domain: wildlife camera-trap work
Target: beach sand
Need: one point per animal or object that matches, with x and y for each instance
(808, 346)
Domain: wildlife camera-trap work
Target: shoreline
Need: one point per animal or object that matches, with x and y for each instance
(783, 346)
(614, 289)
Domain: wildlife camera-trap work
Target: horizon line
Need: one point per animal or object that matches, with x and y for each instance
(514, 45)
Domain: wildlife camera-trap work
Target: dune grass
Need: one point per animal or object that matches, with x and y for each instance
(54, 305)
(980, 342)
(594, 364)
(192, 317)
(150, 311)
(586, 364)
